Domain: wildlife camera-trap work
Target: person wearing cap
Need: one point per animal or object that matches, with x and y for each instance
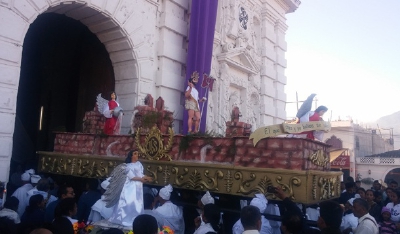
(99, 210)
(169, 212)
(261, 203)
(64, 191)
(205, 199)
(22, 193)
(387, 226)
(349, 221)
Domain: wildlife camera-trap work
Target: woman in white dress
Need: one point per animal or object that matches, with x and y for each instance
(130, 203)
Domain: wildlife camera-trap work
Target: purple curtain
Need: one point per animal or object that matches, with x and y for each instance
(201, 37)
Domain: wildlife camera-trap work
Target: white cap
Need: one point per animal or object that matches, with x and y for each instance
(165, 193)
(260, 202)
(207, 199)
(25, 177)
(30, 171)
(351, 200)
(35, 179)
(105, 183)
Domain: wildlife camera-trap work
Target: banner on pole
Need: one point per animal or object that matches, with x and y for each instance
(286, 128)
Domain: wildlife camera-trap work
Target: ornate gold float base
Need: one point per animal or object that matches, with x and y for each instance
(302, 186)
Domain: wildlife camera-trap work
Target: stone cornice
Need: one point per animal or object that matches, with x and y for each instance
(289, 6)
(283, 3)
(280, 25)
(226, 57)
(268, 15)
(153, 2)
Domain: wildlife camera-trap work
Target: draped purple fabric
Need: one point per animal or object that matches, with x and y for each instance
(201, 36)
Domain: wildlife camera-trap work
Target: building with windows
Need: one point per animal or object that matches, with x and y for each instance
(350, 142)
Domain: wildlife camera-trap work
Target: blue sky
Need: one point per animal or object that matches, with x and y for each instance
(348, 53)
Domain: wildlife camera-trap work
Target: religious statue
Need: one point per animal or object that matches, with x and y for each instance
(304, 114)
(125, 191)
(192, 104)
(113, 113)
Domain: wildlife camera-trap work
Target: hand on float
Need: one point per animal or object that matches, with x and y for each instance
(147, 179)
(280, 193)
(197, 222)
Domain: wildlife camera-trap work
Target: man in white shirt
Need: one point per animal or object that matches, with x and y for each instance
(169, 212)
(261, 203)
(250, 217)
(366, 223)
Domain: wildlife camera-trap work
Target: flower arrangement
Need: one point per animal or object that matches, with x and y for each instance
(82, 228)
(165, 230)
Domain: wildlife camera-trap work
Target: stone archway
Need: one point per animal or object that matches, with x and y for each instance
(391, 174)
(117, 24)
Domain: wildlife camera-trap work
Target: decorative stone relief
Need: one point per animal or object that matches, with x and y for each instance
(243, 18)
(253, 110)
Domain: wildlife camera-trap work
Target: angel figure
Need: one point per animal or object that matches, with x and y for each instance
(306, 115)
(112, 112)
(125, 191)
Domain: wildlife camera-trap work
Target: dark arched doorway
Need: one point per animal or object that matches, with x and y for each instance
(64, 66)
(393, 175)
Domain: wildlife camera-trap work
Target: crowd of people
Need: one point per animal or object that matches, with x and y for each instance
(34, 208)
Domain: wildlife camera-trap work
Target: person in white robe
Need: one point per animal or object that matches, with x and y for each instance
(349, 221)
(169, 212)
(205, 199)
(99, 210)
(210, 216)
(261, 203)
(42, 188)
(273, 209)
(22, 193)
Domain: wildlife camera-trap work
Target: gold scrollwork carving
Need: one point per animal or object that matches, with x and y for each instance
(214, 177)
(195, 179)
(166, 175)
(319, 158)
(228, 181)
(260, 187)
(153, 147)
(293, 181)
(153, 172)
(314, 187)
(327, 187)
(75, 166)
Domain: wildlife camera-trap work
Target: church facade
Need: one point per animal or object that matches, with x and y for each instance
(146, 41)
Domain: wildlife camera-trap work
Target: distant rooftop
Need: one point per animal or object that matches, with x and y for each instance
(389, 154)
